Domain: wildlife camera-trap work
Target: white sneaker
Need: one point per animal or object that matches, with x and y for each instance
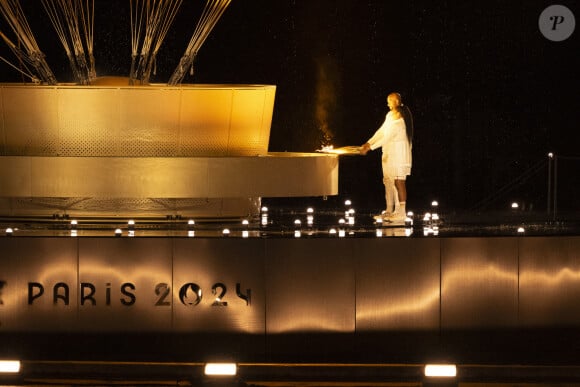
(397, 217)
(383, 216)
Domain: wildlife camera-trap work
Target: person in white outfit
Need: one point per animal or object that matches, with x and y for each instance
(395, 137)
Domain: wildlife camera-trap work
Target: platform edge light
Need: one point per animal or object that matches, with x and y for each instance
(9, 366)
(220, 369)
(441, 370)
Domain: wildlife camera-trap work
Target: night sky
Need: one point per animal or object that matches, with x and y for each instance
(491, 96)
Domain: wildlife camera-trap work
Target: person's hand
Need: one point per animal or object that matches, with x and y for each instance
(365, 148)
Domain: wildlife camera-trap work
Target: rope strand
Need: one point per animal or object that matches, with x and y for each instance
(14, 15)
(150, 22)
(212, 12)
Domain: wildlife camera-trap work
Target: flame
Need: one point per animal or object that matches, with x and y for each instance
(344, 150)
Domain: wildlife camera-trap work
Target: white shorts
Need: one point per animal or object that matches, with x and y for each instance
(395, 170)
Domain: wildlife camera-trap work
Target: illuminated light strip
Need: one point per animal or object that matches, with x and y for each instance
(221, 369)
(9, 366)
(441, 370)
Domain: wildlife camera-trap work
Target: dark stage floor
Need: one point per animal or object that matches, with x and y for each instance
(288, 220)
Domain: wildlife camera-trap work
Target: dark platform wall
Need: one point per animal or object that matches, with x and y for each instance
(467, 300)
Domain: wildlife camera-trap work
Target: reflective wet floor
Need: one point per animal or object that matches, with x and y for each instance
(300, 222)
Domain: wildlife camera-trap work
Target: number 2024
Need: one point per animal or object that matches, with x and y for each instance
(191, 294)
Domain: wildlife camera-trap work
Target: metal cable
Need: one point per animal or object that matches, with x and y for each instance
(212, 12)
(150, 22)
(14, 15)
(69, 18)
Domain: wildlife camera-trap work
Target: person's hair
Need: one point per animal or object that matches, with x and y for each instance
(408, 117)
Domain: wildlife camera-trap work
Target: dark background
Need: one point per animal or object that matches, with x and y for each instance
(491, 96)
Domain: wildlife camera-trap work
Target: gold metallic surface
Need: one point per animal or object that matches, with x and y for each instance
(310, 286)
(110, 263)
(550, 282)
(145, 121)
(42, 261)
(114, 149)
(479, 283)
(397, 285)
(304, 285)
(115, 177)
(207, 262)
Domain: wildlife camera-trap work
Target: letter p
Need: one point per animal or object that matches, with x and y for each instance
(32, 294)
(556, 20)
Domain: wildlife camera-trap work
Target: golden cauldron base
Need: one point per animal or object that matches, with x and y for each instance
(153, 186)
(112, 149)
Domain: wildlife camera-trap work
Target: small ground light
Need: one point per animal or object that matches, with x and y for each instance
(73, 224)
(379, 228)
(245, 232)
(521, 230)
(332, 232)
(309, 216)
(348, 205)
(351, 216)
(9, 366)
(118, 232)
(515, 206)
(9, 231)
(551, 155)
(131, 228)
(441, 370)
(297, 226)
(341, 230)
(226, 232)
(221, 369)
(264, 219)
(434, 203)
